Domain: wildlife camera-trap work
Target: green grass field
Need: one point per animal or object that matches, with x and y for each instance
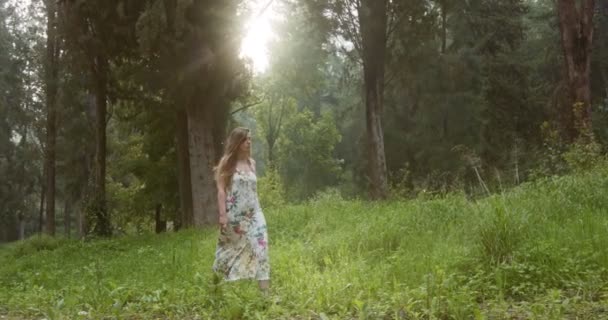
(539, 251)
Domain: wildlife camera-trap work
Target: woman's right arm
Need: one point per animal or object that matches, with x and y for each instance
(221, 203)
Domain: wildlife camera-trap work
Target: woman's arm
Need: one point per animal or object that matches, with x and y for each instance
(252, 163)
(221, 202)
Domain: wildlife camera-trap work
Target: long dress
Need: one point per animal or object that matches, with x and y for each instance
(242, 248)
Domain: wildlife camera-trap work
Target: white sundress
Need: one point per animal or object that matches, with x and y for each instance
(242, 248)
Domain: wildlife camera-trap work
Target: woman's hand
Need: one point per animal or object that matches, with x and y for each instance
(223, 221)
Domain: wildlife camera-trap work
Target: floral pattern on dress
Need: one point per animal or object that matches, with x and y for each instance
(242, 248)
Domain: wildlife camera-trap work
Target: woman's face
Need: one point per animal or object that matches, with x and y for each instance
(245, 146)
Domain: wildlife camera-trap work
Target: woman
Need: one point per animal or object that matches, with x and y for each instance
(242, 249)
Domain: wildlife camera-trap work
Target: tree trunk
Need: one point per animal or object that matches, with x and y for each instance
(51, 99)
(605, 81)
(186, 217)
(576, 29)
(183, 165)
(444, 26)
(373, 24)
(271, 161)
(42, 201)
(160, 225)
(21, 227)
(102, 225)
(80, 221)
(202, 160)
(274, 128)
(67, 216)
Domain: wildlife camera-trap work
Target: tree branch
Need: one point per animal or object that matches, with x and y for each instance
(247, 106)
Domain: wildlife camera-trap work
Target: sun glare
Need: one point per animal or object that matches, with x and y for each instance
(259, 32)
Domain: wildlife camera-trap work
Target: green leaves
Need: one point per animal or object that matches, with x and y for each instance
(306, 154)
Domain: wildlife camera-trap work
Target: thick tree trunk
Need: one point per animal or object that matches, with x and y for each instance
(51, 100)
(202, 159)
(102, 224)
(576, 29)
(186, 218)
(373, 23)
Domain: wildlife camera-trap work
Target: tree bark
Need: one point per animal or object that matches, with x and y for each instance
(373, 23)
(202, 160)
(576, 30)
(183, 164)
(51, 101)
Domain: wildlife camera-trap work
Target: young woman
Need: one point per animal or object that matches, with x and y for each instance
(242, 249)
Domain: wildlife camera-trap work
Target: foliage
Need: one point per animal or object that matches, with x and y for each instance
(583, 155)
(305, 154)
(585, 152)
(558, 157)
(271, 190)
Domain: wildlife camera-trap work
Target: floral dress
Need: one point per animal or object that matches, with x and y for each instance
(242, 249)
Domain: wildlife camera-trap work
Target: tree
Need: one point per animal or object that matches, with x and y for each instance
(195, 57)
(51, 83)
(21, 132)
(373, 23)
(270, 117)
(365, 23)
(576, 30)
(102, 33)
(507, 117)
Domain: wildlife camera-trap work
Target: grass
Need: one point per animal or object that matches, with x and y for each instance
(534, 252)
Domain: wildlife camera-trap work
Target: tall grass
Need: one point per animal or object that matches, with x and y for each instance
(535, 252)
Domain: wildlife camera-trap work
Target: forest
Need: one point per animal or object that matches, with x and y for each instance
(416, 159)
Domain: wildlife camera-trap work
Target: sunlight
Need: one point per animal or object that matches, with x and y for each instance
(259, 32)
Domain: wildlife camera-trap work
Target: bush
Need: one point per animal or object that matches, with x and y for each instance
(584, 154)
(35, 244)
(500, 235)
(271, 190)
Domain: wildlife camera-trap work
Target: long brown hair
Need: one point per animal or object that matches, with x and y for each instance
(227, 165)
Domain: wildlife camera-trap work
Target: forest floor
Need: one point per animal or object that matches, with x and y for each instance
(537, 251)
